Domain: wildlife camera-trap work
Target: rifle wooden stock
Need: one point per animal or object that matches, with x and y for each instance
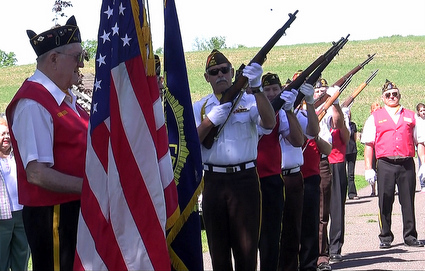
(322, 111)
(353, 71)
(345, 77)
(241, 81)
(359, 89)
(277, 102)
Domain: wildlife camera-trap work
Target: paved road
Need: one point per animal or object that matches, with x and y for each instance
(361, 248)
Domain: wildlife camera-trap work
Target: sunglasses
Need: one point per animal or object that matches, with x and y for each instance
(223, 70)
(79, 58)
(394, 94)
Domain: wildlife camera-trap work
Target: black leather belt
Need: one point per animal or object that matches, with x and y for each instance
(230, 168)
(290, 171)
(395, 159)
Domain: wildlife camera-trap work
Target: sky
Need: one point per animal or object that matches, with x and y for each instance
(241, 22)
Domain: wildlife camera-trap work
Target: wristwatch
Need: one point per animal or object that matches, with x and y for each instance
(256, 89)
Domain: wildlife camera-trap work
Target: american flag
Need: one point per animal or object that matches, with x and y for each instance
(184, 238)
(129, 196)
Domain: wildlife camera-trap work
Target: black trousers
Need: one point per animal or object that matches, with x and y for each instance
(271, 221)
(350, 160)
(231, 210)
(325, 201)
(292, 217)
(309, 251)
(52, 235)
(337, 210)
(403, 175)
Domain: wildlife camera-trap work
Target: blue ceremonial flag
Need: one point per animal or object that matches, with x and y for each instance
(184, 238)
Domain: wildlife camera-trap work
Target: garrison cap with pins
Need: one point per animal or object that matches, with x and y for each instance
(321, 83)
(270, 79)
(216, 58)
(55, 37)
(388, 86)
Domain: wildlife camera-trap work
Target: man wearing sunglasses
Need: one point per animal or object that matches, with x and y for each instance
(394, 132)
(231, 196)
(49, 135)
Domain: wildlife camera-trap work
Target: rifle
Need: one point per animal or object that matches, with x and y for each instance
(315, 69)
(322, 111)
(351, 98)
(344, 78)
(241, 82)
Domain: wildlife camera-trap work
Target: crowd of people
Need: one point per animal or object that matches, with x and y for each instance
(275, 180)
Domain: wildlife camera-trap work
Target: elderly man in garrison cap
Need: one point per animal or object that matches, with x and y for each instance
(231, 197)
(394, 132)
(49, 135)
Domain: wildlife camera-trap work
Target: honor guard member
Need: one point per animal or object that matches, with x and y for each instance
(292, 160)
(320, 89)
(49, 136)
(231, 196)
(312, 148)
(269, 170)
(393, 131)
(340, 131)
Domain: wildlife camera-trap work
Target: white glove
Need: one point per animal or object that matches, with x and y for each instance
(308, 92)
(289, 98)
(331, 91)
(219, 113)
(345, 111)
(253, 72)
(370, 176)
(421, 171)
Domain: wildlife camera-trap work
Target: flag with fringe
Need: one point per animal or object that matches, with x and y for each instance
(184, 238)
(129, 197)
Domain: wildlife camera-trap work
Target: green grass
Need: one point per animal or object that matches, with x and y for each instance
(399, 59)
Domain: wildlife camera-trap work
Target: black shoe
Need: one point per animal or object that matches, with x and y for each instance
(384, 245)
(336, 258)
(414, 243)
(324, 266)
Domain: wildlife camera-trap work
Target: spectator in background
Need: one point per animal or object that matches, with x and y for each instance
(14, 249)
(420, 111)
(351, 157)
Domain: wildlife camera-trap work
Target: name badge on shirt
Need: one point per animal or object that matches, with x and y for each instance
(241, 109)
(382, 121)
(406, 119)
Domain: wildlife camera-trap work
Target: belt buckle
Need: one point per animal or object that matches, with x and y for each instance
(230, 169)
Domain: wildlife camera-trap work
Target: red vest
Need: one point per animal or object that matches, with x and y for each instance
(269, 155)
(339, 149)
(311, 160)
(69, 145)
(394, 139)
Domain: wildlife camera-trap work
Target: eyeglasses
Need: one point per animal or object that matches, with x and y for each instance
(79, 58)
(394, 94)
(223, 70)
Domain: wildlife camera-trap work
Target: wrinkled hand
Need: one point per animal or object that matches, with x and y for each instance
(331, 91)
(219, 113)
(253, 72)
(308, 92)
(370, 176)
(289, 98)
